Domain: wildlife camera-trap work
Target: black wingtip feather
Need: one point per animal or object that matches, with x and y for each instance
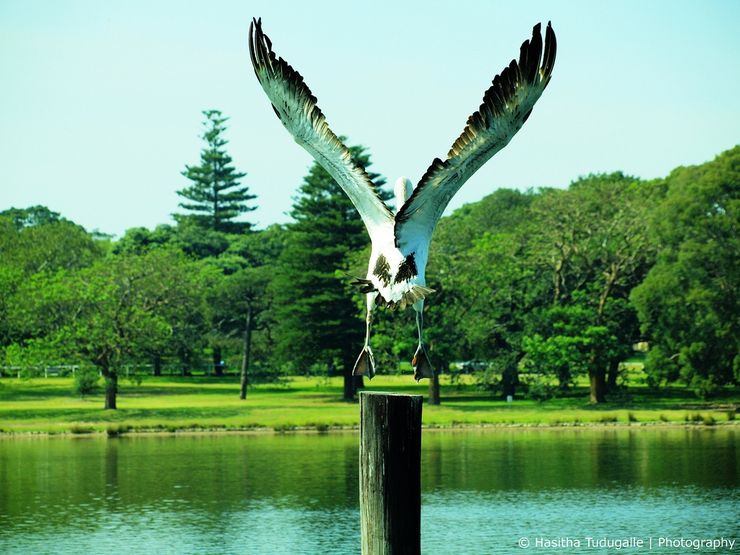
(550, 50)
(534, 68)
(267, 65)
(535, 54)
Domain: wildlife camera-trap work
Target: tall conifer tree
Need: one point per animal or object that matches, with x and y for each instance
(215, 198)
(317, 319)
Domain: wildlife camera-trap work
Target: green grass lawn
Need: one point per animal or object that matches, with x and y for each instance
(174, 403)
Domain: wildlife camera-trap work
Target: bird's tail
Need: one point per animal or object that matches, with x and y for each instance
(416, 293)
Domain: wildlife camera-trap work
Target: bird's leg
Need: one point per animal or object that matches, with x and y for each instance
(365, 365)
(422, 367)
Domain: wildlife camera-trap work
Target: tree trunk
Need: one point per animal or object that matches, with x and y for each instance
(244, 377)
(509, 381)
(563, 378)
(184, 364)
(349, 384)
(434, 389)
(598, 385)
(358, 382)
(157, 364)
(218, 367)
(613, 374)
(111, 389)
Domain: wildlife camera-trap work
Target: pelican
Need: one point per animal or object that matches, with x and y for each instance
(400, 240)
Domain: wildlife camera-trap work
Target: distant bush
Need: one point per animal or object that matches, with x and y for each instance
(115, 430)
(86, 381)
(608, 418)
(540, 388)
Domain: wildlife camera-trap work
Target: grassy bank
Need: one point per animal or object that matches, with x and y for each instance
(171, 404)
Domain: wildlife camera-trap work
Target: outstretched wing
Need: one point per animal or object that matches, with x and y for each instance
(506, 106)
(296, 107)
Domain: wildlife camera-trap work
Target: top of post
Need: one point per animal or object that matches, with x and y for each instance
(388, 394)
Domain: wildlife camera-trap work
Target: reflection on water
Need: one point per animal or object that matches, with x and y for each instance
(482, 491)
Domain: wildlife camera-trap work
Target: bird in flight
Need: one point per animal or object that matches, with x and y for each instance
(400, 239)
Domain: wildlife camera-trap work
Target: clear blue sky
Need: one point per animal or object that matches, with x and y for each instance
(100, 101)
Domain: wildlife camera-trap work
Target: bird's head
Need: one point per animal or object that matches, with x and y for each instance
(402, 191)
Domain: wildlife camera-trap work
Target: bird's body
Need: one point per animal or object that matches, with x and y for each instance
(400, 241)
(396, 273)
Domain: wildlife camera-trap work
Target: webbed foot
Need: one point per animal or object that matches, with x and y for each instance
(365, 365)
(422, 367)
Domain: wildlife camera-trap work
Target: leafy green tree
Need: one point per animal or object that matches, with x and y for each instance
(36, 241)
(569, 345)
(107, 314)
(46, 247)
(316, 318)
(482, 265)
(689, 303)
(215, 199)
(201, 327)
(499, 291)
(593, 242)
(192, 328)
(138, 240)
(240, 300)
(31, 216)
(249, 298)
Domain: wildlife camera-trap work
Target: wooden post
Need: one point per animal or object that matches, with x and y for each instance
(390, 473)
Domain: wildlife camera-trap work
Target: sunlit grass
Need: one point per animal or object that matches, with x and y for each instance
(173, 403)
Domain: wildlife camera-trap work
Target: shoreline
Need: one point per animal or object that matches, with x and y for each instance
(113, 433)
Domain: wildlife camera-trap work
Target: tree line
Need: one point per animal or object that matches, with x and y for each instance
(538, 288)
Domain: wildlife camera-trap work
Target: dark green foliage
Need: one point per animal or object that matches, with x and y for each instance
(541, 288)
(108, 314)
(481, 267)
(241, 302)
(46, 247)
(31, 216)
(591, 241)
(689, 304)
(86, 380)
(316, 321)
(569, 344)
(215, 199)
(138, 240)
(39, 247)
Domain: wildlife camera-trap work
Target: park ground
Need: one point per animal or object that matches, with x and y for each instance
(173, 404)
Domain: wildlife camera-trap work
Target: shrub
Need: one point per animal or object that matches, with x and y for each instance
(539, 388)
(115, 430)
(86, 381)
(608, 418)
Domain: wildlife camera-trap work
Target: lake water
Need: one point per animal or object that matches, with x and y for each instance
(482, 492)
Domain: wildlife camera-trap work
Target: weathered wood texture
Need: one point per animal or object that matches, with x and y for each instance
(390, 473)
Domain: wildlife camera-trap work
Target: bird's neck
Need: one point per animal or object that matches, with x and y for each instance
(402, 191)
